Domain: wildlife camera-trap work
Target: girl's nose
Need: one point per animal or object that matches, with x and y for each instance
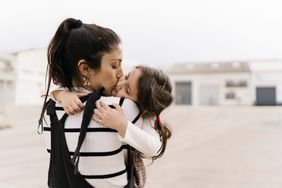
(118, 87)
(120, 83)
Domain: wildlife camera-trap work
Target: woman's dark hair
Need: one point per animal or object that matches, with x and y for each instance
(154, 95)
(72, 42)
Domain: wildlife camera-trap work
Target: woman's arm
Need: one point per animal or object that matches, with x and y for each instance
(141, 135)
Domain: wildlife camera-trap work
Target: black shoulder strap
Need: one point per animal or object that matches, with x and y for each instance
(121, 100)
(51, 107)
(61, 169)
(87, 115)
(56, 165)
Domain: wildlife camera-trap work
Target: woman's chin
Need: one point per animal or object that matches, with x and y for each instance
(107, 92)
(114, 92)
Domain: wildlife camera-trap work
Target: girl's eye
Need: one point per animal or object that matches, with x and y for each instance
(114, 67)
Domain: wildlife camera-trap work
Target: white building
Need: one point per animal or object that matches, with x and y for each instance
(227, 83)
(22, 81)
(7, 80)
(22, 78)
(267, 82)
(30, 84)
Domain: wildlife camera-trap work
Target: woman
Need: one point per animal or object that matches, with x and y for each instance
(87, 57)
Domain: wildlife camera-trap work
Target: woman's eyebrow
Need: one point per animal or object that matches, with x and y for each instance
(119, 60)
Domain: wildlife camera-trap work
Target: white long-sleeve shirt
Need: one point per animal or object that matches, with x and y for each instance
(141, 135)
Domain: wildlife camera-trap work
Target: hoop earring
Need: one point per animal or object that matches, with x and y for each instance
(85, 81)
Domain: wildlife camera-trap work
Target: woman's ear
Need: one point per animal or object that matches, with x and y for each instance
(83, 68)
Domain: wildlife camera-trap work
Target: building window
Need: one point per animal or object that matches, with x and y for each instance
(183, 93)
(242, 83)
(230, 95)
(229, 83)
(233, 83)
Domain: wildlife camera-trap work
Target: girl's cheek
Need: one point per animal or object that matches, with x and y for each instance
(120, 94)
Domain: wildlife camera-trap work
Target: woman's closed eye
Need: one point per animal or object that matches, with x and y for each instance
(115, 65)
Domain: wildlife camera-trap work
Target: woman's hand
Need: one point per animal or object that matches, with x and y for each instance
(69, 100)
(113, 118)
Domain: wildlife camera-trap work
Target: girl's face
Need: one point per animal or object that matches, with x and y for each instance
(109, 73)
(127, 85)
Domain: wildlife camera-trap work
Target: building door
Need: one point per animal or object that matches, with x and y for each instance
(265, 96)
(209, 95)
(183, 93)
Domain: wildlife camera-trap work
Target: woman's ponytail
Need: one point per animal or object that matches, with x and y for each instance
(57, 52)
(55, 56)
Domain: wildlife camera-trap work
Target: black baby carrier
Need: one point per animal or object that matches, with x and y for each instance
(63, 170)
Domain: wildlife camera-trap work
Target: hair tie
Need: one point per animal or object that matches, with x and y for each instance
(76, 24)
(158, 118)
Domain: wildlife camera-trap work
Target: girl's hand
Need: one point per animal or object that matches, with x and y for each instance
(113, 118)
(70, 101)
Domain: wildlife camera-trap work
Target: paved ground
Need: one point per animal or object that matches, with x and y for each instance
(211, 147)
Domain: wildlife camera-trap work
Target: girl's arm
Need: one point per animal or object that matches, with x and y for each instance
(141, 135)
(69, 100)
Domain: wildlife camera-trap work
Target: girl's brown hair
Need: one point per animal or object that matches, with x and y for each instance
(154, 95)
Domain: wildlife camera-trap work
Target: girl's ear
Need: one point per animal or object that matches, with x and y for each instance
(83, 68)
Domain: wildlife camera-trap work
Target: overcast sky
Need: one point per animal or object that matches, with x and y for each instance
(155, 31)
